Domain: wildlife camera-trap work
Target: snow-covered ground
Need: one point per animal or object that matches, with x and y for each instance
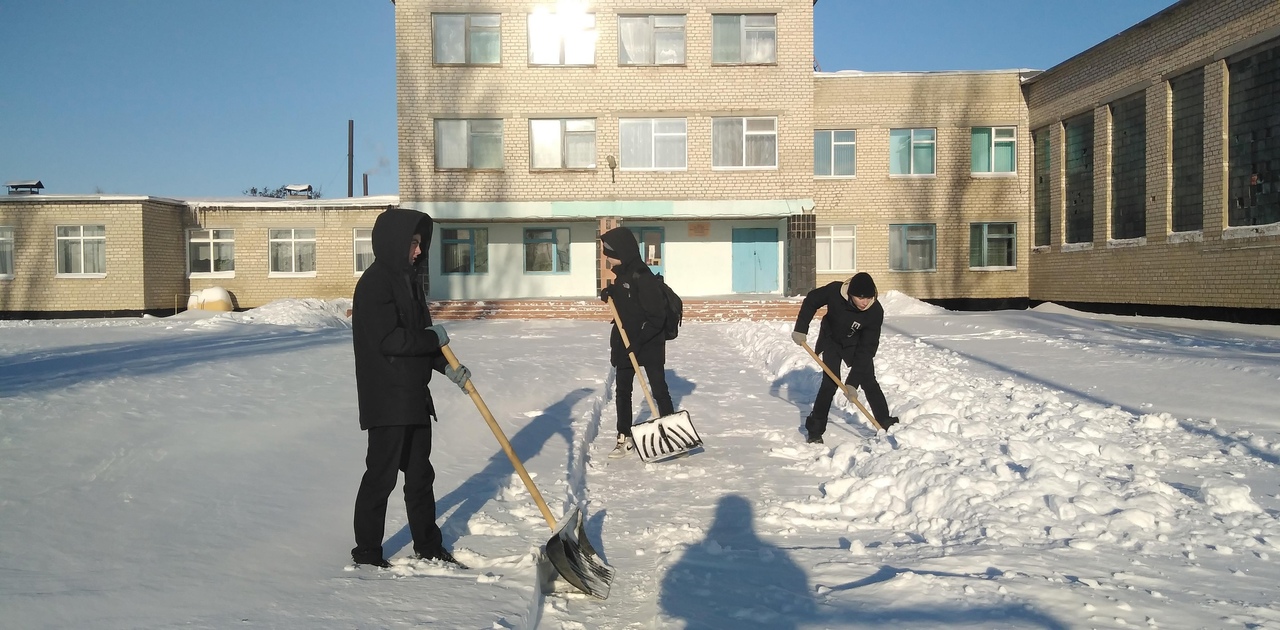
(1052, 470)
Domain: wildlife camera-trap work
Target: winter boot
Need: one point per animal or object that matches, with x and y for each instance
(624, 445)
(890, 422)
(373, 560)
(442, 556)
(815, 439)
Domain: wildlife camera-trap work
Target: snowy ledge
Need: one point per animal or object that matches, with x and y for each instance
(1126, 242)
(1076, 247)
(1247, 231)
(1185, 237)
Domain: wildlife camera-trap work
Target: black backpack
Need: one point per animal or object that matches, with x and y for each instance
(675, 310)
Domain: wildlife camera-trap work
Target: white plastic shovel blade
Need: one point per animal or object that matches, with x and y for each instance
(665, 437)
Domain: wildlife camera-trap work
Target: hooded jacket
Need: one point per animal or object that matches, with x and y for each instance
(394, 352)
(642, 306)
(854, 334)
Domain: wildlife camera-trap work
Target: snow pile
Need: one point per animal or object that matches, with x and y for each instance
(997, 462)
(899, 303)
(304, 314)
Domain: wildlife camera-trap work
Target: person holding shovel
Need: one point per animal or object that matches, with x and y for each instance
(849, 333)
(641, 305)
(396, 350)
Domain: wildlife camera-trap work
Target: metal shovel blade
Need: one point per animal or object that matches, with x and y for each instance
(665, 437)
(576, 560)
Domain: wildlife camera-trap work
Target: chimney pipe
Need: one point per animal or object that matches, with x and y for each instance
(366, 184)
(351, 162)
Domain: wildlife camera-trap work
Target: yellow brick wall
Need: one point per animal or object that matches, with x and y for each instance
(1203, 269)
(516, 92)
(253, 284)
(36, 285)
(953, 103)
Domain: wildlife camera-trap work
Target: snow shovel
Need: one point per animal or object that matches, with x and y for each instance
(662, 437)
(568, 548)
(849, 392)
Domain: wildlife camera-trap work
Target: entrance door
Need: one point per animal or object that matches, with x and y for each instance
(650, 239)
(755, 260)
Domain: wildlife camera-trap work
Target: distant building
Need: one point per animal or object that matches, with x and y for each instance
(1140, 176)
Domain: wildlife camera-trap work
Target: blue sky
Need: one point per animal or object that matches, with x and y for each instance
(205, 99)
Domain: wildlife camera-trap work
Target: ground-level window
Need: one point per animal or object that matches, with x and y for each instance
(362, 248)
(82, 250)
(211, 252)
(293, 250)
(744, 142)
(6, 252)
(465, 250)
(911, 151)
(563, 143)
(992, 245)
(474, 144)
(994, 150)
(837, 248)
(653, 143)
(913, 247)
(835, 153)
(546, 250)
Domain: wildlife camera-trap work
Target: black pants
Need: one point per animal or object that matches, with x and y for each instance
(391, 450)
(657, 386)
(816, 423)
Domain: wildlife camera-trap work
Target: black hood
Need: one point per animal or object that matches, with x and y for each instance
(620, 243)
(393, 230)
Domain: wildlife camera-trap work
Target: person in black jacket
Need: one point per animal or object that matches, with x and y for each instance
(850, 333)
(396, 349)
(642, 306)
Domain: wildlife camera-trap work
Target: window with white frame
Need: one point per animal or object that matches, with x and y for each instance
(744, 142)
(464, 250)
(835, 153)
(362, 249)
(837, 248)
(211, 252)
(911, 151)
(651, 40)
(562, 38)
(992, 245)
(466, 38)
(913, 247)
(82, 250)
(6, 251)
(653, 143)
(994, 150)
(567, 143)
(292, 251)
(546, 250)
(469, 144)
(744, 39)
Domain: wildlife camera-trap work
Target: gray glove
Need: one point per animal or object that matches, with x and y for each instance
(440, 334)
(459, 376)
(799, 337)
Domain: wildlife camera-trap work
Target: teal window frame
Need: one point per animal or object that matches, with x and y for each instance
(829, 147)
(907, 150)
(909, 242)
(560, 241)
(986, 243)
(476, 242)
(993, 150)
(735, 37)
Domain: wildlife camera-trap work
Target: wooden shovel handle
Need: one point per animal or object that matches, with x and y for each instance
(617, 321)
(848, 392)
(502, 439)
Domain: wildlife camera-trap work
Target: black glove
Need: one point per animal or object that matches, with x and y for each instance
(604, 294)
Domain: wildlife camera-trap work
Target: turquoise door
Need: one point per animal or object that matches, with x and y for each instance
(650, 240)
(755, 260)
